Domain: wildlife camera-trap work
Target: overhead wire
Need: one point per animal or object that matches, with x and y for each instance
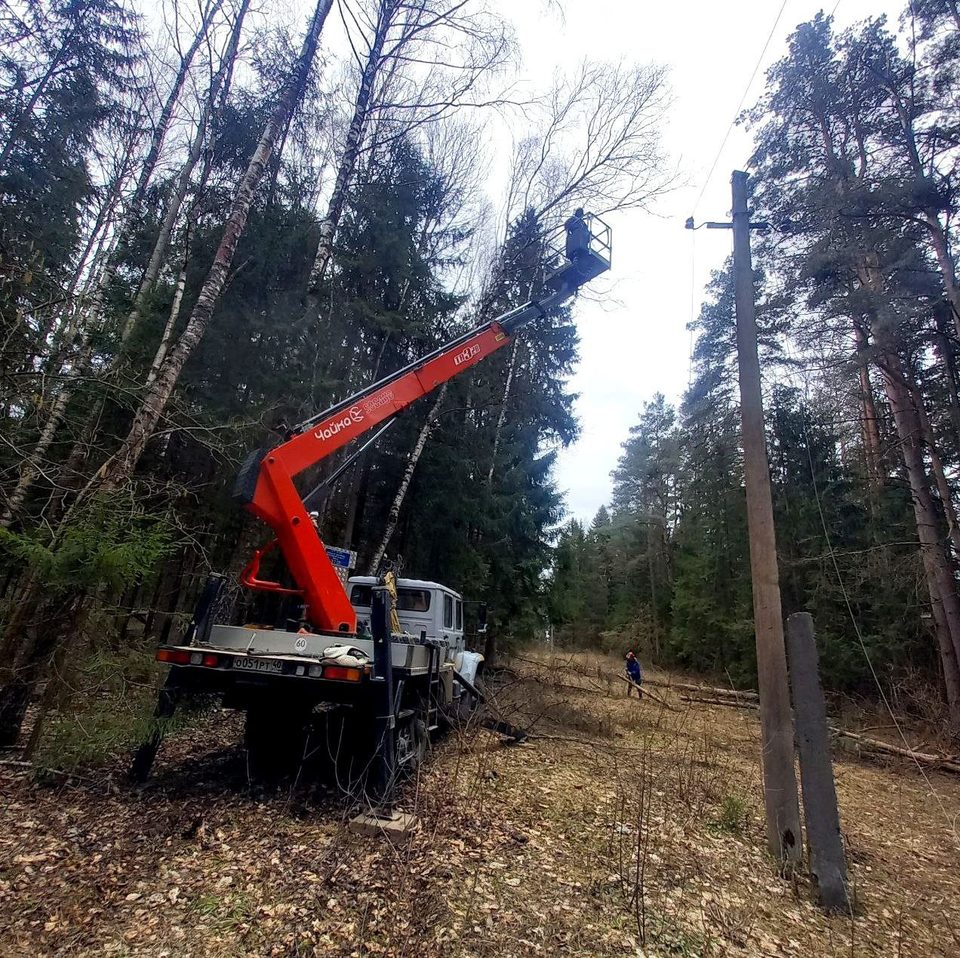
(743, 99)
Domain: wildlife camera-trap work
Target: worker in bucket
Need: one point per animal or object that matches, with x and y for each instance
(578, 235)
(634, 675)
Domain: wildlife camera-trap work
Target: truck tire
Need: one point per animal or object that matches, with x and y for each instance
(421, 740)
(413, 743)
(276, 741)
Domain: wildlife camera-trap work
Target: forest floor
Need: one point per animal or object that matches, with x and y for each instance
(620, 828)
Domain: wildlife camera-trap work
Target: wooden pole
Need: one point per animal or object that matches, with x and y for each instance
(828, 866)
(779, 779)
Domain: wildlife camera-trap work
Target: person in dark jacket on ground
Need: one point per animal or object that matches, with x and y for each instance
(634, 675)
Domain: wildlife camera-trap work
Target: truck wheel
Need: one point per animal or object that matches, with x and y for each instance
(276, 740)
(421, 740)
(413, 743)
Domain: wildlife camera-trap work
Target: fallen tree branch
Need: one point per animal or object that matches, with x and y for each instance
(593, 743)
(507, 729)
(46, 770)
(549, 683)
(749, 696)
(942, 762)
(569, 739)
(732, 703)
(646, 691)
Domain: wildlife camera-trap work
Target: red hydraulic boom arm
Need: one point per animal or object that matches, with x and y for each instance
(265, 484)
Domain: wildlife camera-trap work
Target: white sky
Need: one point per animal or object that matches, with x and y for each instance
(640, 344)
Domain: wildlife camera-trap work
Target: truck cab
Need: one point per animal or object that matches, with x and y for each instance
(424, 608)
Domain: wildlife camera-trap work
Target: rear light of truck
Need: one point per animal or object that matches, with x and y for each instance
(342, 673)
(185, 657)
(173, 656)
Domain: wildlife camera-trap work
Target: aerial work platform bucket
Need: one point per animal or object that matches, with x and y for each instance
(591, 257)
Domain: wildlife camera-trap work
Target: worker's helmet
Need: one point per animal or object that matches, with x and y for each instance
(578, 211)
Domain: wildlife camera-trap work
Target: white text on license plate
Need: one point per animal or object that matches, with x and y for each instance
(257, 665)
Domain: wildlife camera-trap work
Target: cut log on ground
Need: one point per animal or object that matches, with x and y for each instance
(732, 703)
(508, 730)
(646, 691)
(705, 690)
(944, 763)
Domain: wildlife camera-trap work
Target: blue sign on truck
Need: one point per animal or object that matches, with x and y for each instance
(342, 558)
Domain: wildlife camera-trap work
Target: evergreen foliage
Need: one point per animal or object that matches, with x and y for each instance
(859, 313)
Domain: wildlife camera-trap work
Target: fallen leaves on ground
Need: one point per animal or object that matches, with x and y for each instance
(625, 830)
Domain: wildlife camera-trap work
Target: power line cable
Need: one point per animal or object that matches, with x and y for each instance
(743, 99)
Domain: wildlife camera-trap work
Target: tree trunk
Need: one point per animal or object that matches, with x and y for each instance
(393, 516)
(936, 463)
(948, 269)
(949, 664)
(356, 500)
(121, 466)
(943, 346)
(72, 628)
(31, 466)
(158, 252)
(502, 418)
(930, 217)
(38, 92)
(174, 316)
(868, 410)
(96, 238)
(160, 129)
(166, 113)
(351, 150)
(91, 272)
(179, 193)
(936, 562)
(30, 639)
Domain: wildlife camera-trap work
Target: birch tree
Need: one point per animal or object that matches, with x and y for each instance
(90, 315)
(418, 60)
(599, 145)
(157, 395)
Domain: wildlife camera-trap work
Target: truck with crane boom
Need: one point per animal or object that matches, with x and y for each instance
(382, 660)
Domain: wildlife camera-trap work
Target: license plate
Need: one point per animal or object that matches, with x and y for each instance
(257, 665)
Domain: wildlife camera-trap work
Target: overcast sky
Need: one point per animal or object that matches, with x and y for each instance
(638, 343)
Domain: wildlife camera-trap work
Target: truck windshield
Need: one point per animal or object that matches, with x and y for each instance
(408, 600)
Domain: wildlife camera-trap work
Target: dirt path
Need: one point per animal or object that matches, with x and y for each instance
(632, 830)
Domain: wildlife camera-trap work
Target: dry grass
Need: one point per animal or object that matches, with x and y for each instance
(624, 829)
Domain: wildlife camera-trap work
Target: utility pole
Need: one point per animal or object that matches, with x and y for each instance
(776, 726)
(828, 865)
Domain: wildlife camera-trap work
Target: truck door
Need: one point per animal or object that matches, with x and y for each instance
(458, 625)
(448, 622)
